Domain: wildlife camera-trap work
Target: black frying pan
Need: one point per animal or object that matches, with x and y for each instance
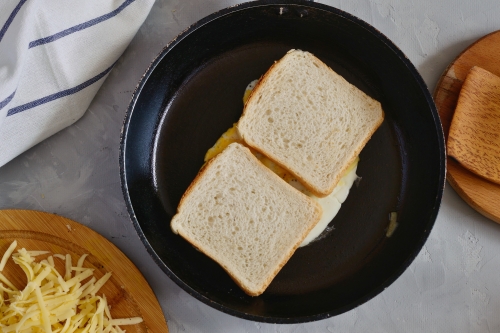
(192, 93)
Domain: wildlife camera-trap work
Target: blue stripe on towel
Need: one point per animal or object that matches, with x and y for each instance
(58, 95)
(7, 100)
(11, 18)
(82, 26)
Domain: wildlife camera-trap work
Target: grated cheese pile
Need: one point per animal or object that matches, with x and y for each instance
(52, 302)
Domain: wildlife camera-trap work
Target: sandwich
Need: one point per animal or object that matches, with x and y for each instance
(304, 125)
(245, 217)
(309, 120)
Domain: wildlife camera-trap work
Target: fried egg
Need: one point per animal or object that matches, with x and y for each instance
(330, 204)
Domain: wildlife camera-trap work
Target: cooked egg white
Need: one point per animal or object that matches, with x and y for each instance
(330, 204)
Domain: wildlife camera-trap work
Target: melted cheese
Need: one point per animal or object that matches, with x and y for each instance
(331, 203)
(51, 302)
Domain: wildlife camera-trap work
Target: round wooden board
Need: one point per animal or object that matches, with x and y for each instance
(127, 292)
(479, 193)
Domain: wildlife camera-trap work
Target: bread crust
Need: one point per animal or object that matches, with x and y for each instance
(190, 188)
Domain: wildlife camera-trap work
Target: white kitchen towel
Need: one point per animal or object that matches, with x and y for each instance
(54, 56)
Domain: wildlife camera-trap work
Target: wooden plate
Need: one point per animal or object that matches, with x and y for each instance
(127, 291)
(479, 193)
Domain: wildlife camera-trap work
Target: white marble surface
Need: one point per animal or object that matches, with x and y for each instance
(452, 286)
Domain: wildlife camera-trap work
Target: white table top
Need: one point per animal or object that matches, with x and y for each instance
(452, 286)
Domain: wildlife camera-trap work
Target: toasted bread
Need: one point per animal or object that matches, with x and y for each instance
(474, 137)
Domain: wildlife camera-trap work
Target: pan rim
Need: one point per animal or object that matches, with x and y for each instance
(382, 38)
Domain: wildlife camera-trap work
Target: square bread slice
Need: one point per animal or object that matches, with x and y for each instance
(309, 120)
(474, 137)
(245, 217)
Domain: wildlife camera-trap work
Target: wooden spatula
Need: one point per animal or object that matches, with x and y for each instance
(474, 137)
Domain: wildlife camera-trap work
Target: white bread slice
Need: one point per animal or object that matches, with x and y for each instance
(246, 218)
(309, 120)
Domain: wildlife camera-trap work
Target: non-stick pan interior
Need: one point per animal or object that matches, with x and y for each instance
(193, 92)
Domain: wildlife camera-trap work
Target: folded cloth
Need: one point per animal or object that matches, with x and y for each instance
(54, 56)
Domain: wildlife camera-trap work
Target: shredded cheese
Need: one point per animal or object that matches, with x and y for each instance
(7, 254)
(55, 303)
